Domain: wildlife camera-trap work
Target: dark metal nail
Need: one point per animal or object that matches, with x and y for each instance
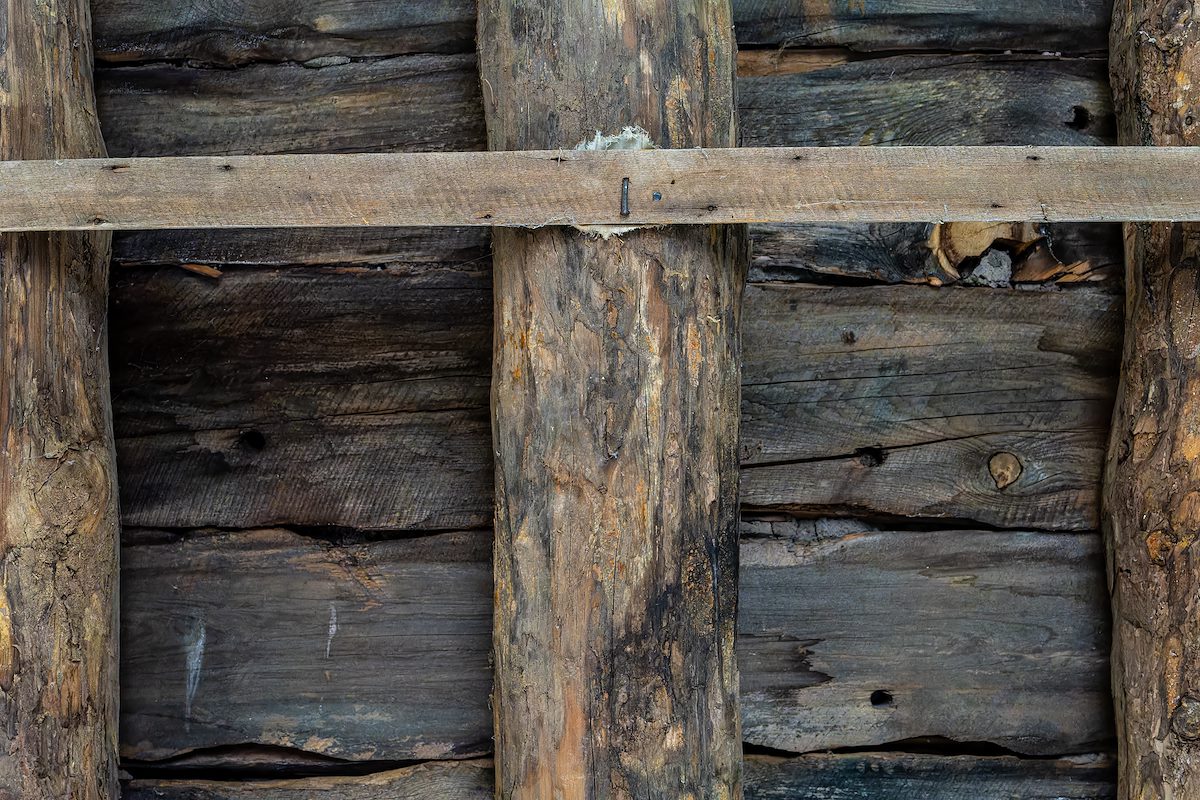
(625, 197)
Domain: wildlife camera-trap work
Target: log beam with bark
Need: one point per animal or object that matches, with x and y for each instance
(58, 507)
(615, 421)
(1152, 494)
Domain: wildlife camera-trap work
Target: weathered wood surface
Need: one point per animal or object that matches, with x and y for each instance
(975, 636)
(1153, 475)
(161, 30)
(895, 401)
(880, 776)
(419, 102)
(556, 189)
(887, 252)
(931, 100)
(782, 251)
(829, 253)
(344, 373)
(349, 397)
(58, 498)
(1032, 25)
(615, 399)
(279, 30)
(433, 102)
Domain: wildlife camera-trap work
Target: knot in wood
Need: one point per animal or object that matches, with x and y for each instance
(1185, 719)
(1005, 469)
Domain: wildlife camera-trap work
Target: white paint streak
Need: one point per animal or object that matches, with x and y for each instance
(333, 628)
(194, 642)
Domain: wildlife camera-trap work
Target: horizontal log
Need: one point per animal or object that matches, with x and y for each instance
(653, 187)
(930, 100)
(279, 30)
(432, 102)
(379, 650)
(420, 102)
(359, 396)
(866, 776)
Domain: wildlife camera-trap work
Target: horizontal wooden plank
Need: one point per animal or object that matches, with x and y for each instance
(931, 100)
(379, 650)
(160, 30)
(653, 187)
(1032, 25)
(279, 30)
(894, 401)
(432, 102)
(943, 88)
(906, 252)
(420, 102)
(882, 252)
(859, 776)
(359, 396)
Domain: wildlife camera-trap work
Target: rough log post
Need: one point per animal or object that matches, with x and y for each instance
(1152, 492)
(615, 408)
(58, 505)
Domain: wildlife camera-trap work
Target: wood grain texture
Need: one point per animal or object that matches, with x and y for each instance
(351, 370)
(1153, 473)
(279, 30)
(898, 252)
(782, 251)
(227, 641)
(880, 776)
(58, 499)
(894, 402)
(615, 388)
(160, 30)
(931, 100)
(419, 102)
(872, 25)
(433, 102)
(554, 189)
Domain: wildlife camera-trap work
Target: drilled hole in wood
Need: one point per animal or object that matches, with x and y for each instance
(252, 440)
(1080, 118)
(871, 456)
(881, 697)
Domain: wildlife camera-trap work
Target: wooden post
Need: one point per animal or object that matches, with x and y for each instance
(615, 405)
(1152, 486)
(58, 503)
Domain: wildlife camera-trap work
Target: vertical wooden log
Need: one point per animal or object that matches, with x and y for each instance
(58, 505)
(616, 405)
(1152, 492)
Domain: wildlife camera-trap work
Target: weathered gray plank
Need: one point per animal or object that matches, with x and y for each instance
(286, 396)
(156, 30)
(564, 187)
(894, 401)
(380, 650)
(1037, 25)
(933, 100)
(279, 30)
(899, 252)
(883, 252)
(869, 776)
(419, 102)
(432, 102)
